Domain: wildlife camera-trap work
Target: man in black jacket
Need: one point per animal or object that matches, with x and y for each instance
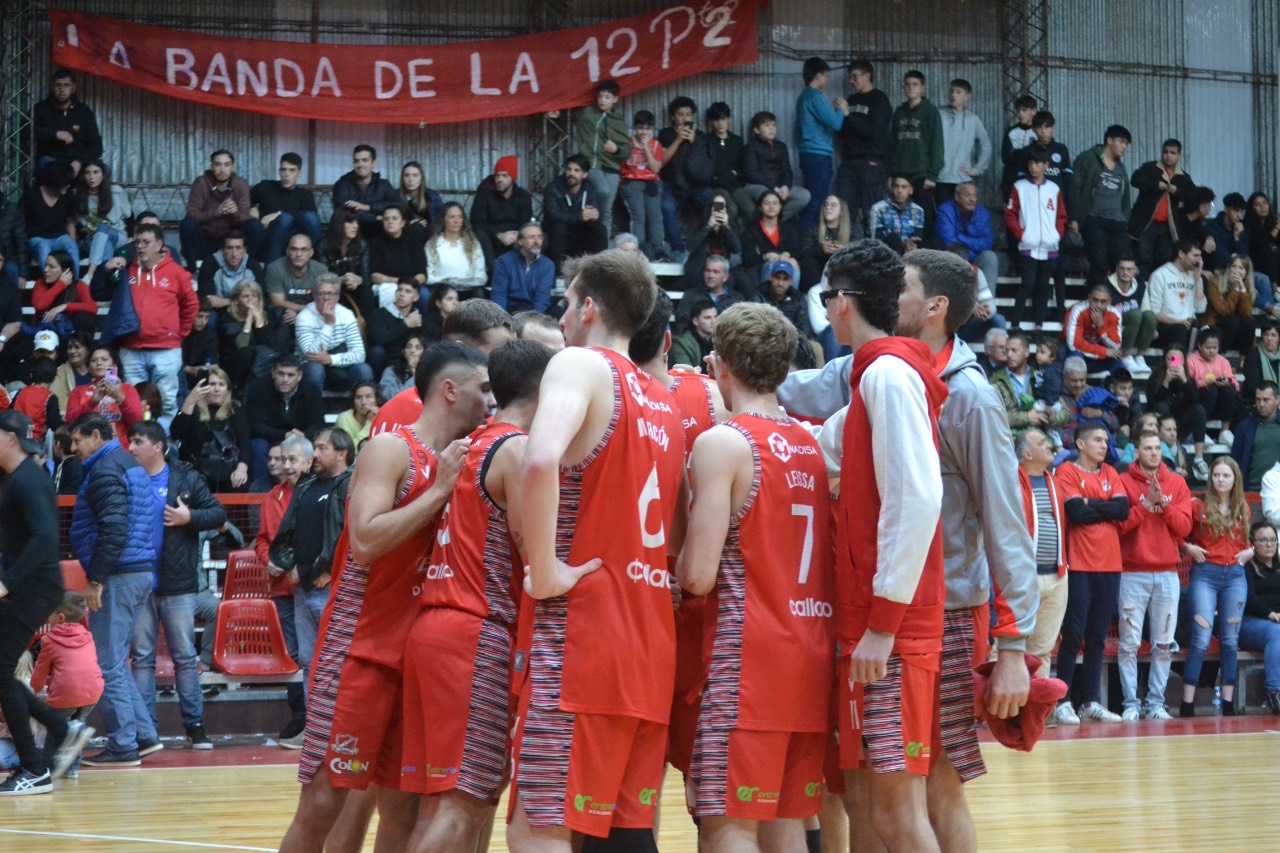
(13, 245)
(501, 207)
(766, 165)
(864, 141)
(1162, 186)
(278, 408)
(363, 191)
(183, 509)
(570, 215)
(66, 128)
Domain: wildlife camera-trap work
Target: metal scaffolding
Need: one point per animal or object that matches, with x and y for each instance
(1024, 44)
(18, 93)
(552, 134)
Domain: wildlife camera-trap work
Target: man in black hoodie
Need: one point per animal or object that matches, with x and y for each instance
(570, 215)
(501, 207)
(1162, 186)
(363, 191)
(280, 406)
(864, 141)
(66, 128)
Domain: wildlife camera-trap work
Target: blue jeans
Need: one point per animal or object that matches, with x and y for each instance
(975, 330)
(606, 186)
(281, 230)
(41, 247)
(307, 607)
(1263, 635)
(178, 615)
(340, 378)
(643, 200)
(125, 716)
(1221, 589)
(294, 693)
(161, 366)
(818, 172)
(1156, 594)
(104, 243)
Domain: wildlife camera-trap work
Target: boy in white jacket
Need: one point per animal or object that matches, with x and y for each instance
(1036, 217)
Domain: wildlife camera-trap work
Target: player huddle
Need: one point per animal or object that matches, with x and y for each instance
(601, 578)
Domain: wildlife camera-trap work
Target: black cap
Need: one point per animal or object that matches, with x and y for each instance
(1235, 201)
(813, 66)
(20, 425)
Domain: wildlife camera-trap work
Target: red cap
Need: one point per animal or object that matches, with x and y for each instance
(1020, 732)
(509, 164)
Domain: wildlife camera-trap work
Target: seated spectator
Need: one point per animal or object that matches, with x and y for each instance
(102, 214)
(148, 217)
(625, 241)
(61, 303)
(226, 268)
(641, 187)
(1037, 217)
(399, 375)
(1216, 385)
(1092, 329)
(766, 165)
(694, 345)
(345, 252)
(985, 317)
(499, 208)
(36, 401)
(533, 326)
(247, 336)
(49, 214)
(280, 405)
(390, 327)
(1170, 391)
(963, 222)
(115, 401)
(393, 257)
(66, 129)
(835, 229)
(716, 238)
(1020, 389)
(289, 281)
(600, 132)
(422, 206)
(767, 239)
(356, 421)
(715, 286)
(1049, 369)
(1260, 628)
(283, 208)
(200, 349)
(1046, 522)
(1231, 295)
(1075, 381)
(570, 214)
(1262, 232)
(523, 280)
(897, 221)
(1192, 216)
(73, 370)
(329, 341)
(13, 246)
(782, 294)
(1137, 327)
(995, 352)
(436, 308)
(212, 430)
(454, 255)
(1262, 362)
(726, 150)
(218, 202)
(1256, 447)
(1228, 233)
(363, 191)
(687, 169)
(1176, 294)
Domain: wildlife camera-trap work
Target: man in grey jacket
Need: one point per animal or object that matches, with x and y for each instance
(984, 533)
(966, 147)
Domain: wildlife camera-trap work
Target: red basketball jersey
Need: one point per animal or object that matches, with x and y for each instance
(773, 629)
(694, 403)
(401, 410)
(608, 647)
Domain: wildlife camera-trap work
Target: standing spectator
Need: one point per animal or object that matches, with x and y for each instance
(114, 401)
(1092, 329)
(1020, 389)
(393, 256)
(111, 537)
(420, 204)
(275, 472)
(281, 405)
(1159, 519)
(1015, 141)
(1256, 448)
(49, 214)
(1216, 385)
(1043, 127)
(499, 208)
(1175, 294)
(1100, 201)
(523, 280)
(329, 339)
(864, 142)
(966, 147)
(603, 140)
(726, 150)
(399, 375)
(454, 255)
(687, 170)
(283, 208)
(1137, 327)
(289, 281)
(1096, 506)
(102, 214)
(68, 669)
(150, 217)
(898, 221)
(1262, 230)
(1229, 235)
(363, 191)
(218, 202)
(766, 165)
(641, 187)
(1219, 547)
(183, 509)
(223, 271)
(1260, 628)
(1162, 186)
(916, 146)
(247, 336)
(213, 432)
(963, 223)
(345, 252)
(390, 327)
(1231, 294)
(1035, 215)
(1046, 521)
(1262, 362)
(357, 420)
(571, 212)
(66, 128)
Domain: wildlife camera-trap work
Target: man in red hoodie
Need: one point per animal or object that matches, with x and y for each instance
(1159, 519)
(889, 578)
(166, 305)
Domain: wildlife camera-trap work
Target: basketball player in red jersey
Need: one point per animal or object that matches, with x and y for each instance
(759, 535)
(457, 665)
(889, 577)
(601, 483)
(354, 713)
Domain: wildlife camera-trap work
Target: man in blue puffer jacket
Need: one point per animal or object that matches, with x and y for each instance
(111, 537)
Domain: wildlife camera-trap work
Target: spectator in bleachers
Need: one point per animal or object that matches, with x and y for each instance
(716, 238)
(13, 245)
(1075, 381)
(390, 327)
(716, 286)
(995, 352)
(200, 350)
(49, 214)
(1159, 519)
(1219, 548)
(966, 147)
(767, 238)
(1019, 387)
(73, 371)
(1217, 388)
(247, 336)
(1100, 201)
(184, 508)
(499, 208)
(62, 304)
(602, 138)
(436, 308)
(1192, 216)
(1037, 217)
(222, 271)
(152, 405)
(1046, 521)
(523, 280)
(280, 405)
(108, 395)
(393, 257)
(218, 202)
(781, 293)
(398, 375)
(1176, 294)
(1096, 506)
(68, 472)
(36, 401)
(896, 220)
(726, 150)
(766, 165)
(963, 223)
(275, 472)
(363, 191)
(571, 213)
(532, 326)
(1262, 362)
(694, 344)
(1171, 391)
(1256, 447)
(1231, 294)
(102, 211)
(641, 187)
(283, 208)
(213, 433)
(130, 251)
(864, 142)
(687, 170)
(1162, 186)
(985, 316)
(1043, 128)
(625, 242)
(454, 255)
(1260, 628)
(835, 229)
(1013, 144)
(329, 340)
(289, 282)
(1228, 232)
(1137, 326)
(345, 252)
(1262, 230)
(68, 669)
(66, 129)
(916, 145)
(1092, 329)
(422, 206)
(366, 399)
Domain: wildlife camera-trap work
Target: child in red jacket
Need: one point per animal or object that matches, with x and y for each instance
(68, 669)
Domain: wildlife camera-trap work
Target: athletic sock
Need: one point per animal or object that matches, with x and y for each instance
(813, 840)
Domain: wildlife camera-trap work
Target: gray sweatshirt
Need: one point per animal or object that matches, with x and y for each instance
(961, 134)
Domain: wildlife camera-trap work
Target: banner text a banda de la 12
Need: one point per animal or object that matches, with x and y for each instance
(405, 84)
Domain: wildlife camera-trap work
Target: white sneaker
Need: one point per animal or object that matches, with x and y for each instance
(1137, 365)
(1200, 469)
(1098, 713)
(1226, 438)
(1066, 715)
(1131, 714)
(1159, 712)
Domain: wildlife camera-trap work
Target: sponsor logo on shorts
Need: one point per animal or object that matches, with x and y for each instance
(811, 789)
(346, 744)
(352, 766)
(646, 796)
(752, 793)
(408, 769)
(584, 803)
(916, 749)
(811, 608)
(652, 575)
(784, 451)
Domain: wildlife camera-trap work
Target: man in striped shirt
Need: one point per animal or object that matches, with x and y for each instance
(329, 342)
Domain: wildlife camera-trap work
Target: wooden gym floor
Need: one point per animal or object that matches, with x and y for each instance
(1186, 785)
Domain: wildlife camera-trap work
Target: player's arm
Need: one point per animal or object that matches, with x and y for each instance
(714, 466)
(375, 525)
(719, 410)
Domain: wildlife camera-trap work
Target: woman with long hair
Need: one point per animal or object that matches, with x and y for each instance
(439, 303)
(1231, 297)
(770, 238)
(247, 335)
(48, 208)
(1219, 547)
(422, 205)
(102, 209)
(399, 374)
(107, 395)
(73, 371)
(454, 255)
(393, 257)
(1260, 629)
(61, 303)
(214, 432)
(356, 421)
(1263, 229)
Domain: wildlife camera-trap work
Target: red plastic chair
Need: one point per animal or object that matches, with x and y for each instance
(248, 639)
(73, 576)
(246, 577)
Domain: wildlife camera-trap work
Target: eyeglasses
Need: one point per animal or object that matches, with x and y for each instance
(1261, 541)
(827, 295)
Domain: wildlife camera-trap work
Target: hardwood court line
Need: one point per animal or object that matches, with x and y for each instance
(1130, 736)
(87, 836)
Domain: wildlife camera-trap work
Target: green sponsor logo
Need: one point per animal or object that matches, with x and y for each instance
(580, 802)
(746, 794)
(646, 796)
(811, 789)
(916, 749)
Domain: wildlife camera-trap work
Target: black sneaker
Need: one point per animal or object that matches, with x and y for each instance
(72, 745)
(199, 740)
(107, 758)
(146, 747)
(21, 783)
(1273, 701)
(292, 730)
